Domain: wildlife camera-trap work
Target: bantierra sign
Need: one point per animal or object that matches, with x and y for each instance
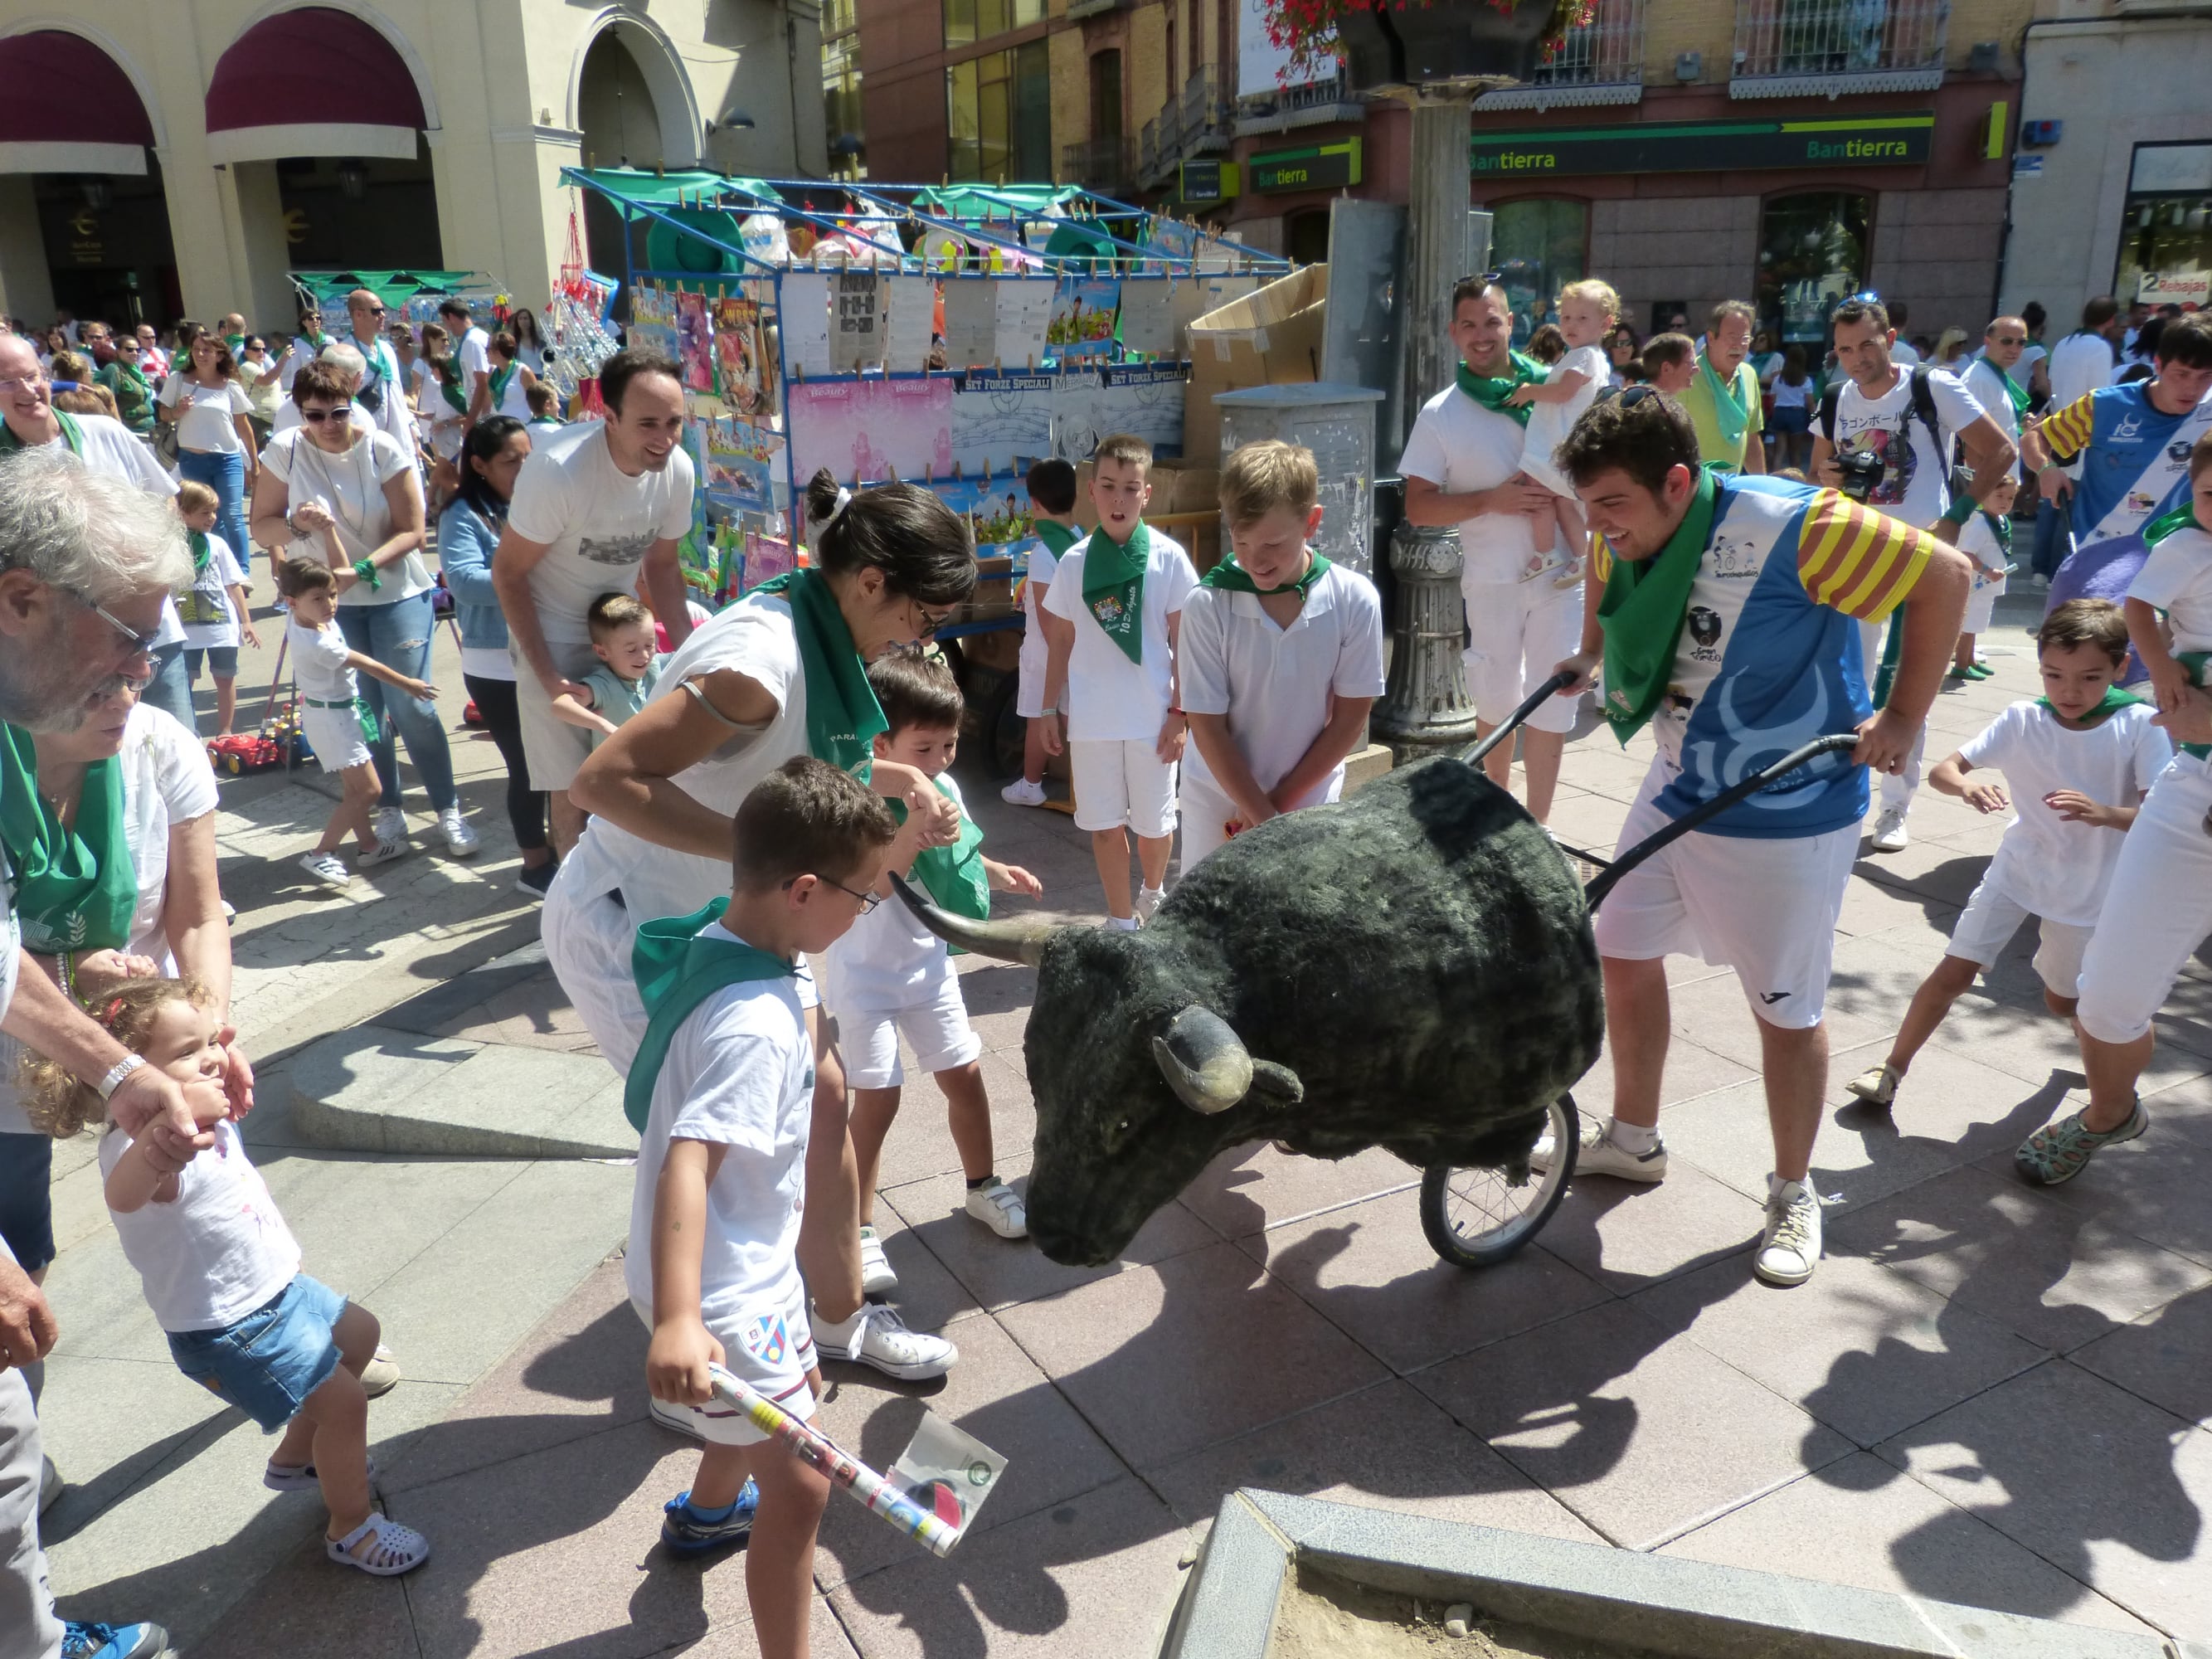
(1706, 147)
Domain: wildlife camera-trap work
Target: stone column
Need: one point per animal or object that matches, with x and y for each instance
(26, 288)
(1425, 708)
(1436, 239)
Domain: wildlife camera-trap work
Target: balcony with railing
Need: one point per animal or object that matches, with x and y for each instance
(1196, 121)
(1823, 48)
(1106, 165)
(1599, 63)
(1308, 104)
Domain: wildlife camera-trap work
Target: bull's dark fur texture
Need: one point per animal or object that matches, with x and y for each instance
(1419, 955)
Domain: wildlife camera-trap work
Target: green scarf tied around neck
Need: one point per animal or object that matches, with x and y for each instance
(72, 435)
(500, 379)
(1492, 391)
(676, 971)
(1114, 586)
(843, 714)
(1229, 576)
(954, 876)
(2181, 517)
(2014, 390)
(74, 889)
(1729, 415)
(449, 383)
(1056, 536)
(1642, 613)
(2114, 701)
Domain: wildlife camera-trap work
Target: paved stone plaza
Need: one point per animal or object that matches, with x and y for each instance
(1987, 1395)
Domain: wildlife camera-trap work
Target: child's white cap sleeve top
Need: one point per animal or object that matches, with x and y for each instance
(319, 662)
(219, 1250)
(1109, 698)
(2177, 578)
(1549, 423)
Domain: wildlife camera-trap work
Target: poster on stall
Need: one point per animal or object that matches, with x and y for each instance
(856, 320)
(803, 319)
(695, 339)
(971, 321)
(1003, 418)
(1024, 308)
(871, 430)
(738, 380)
(741, 466)
(766, 558)
(1080, 414)
(1147, 316)
(652, 322)
(1083, 312)
(1146, 400)
(996, 509)
(912, 328)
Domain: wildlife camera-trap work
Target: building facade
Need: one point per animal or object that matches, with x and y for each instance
(159, 160)
(2111, 192)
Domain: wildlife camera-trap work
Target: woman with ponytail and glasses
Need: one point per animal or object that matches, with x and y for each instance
(781, 673)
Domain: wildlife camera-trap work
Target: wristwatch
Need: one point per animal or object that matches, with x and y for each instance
(107, 1085)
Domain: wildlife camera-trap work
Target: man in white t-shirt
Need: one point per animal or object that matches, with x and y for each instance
(1996, 379)
(1459, 465)
(1900, 350)
(590, 508)
(2083, 360)
(383, 390)
(473, 347)
(305, 346)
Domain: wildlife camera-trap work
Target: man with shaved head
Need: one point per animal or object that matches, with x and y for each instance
(1994, 380)
(381, 391)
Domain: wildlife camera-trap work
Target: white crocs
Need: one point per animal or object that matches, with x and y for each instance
(379, 1546)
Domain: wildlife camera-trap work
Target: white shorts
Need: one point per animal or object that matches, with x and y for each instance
(1119, 783)
(1993, 917)
(1766, 909)
(553, 748)
(1029, 685)
(770, 1348)
(2158, 910)
(335, 736)
(1517, 634)
(936, 1026)
(1982, 608)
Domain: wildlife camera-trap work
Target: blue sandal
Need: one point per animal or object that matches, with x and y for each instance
(2058, 1151)
(687, 1531)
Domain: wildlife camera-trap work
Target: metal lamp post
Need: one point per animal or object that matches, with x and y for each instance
(1425, 708)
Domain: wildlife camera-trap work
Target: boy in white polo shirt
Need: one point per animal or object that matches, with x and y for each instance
(1281, 658)
(1123, 589)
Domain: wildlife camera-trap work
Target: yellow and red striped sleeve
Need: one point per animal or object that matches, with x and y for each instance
(1854, 560)
(2067, 430)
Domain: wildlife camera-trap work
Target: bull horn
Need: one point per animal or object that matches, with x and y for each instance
(1013, 940)
(1203, 1060)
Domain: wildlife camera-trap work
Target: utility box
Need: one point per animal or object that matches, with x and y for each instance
(1337, 422)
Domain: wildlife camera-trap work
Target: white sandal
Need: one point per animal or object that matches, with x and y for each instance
(298, 1477)
(392, 1549)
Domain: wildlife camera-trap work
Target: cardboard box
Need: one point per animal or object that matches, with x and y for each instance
(1272, 337)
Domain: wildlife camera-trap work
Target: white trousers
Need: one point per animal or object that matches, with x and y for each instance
(2158, 910)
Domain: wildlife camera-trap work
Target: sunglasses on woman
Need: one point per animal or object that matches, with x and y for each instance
(317, 416)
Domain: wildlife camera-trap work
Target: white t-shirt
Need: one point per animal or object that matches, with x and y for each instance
(351, 485)
(219, 1250)
(1914, 483)
(1787, 395)
(739, 1073)
(1041, 570)
(597, 522)
(1109, 698)
(207, 419)
(166, 781)
(754, 638)
(392, 414)
(2055, 869)
(887, 960)
(297, 355)
(209, 614)
(1979, 543)
(1276, 684)
(2177, 578)
(476, 357)
(1549, 423)
(1460, 447)
(1985, 381)
(319, 662)
(287, 419)
(513, 399)
(2080, 363)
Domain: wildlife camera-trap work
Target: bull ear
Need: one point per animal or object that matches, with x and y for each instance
(1279, 1084)
(1203, 1060)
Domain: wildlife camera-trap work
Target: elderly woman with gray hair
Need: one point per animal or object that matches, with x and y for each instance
(85, 565)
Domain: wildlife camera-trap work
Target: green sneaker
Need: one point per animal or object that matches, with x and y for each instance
(2058, 1151)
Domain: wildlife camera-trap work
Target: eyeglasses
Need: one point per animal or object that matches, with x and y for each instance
(930, 620)
(373, 311)
(141, 644)
(24, 383)
(2007, 339)
(317, 416)
(1487, 278)
(1865, 296)
(867, 902)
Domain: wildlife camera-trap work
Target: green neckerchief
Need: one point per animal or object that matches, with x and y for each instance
(236, 343)
(72, 435)
(1492, 392)
(2115, 700)
(1231, 576)
(2014, 390)
(74, 889)
(2182, 516)
(449, 382)
(1113, 586)
(1056, 536)
(500, 378)
(201, 551)
(676, 971)
(1642, 612)
(2000, 527)
(1730, 417)
(843, 714)
(954, 875)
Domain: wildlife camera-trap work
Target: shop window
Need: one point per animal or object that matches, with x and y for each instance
(1106, 94)
(967, 22)
(2165, 233)
(1812, 254)
(1305, 236)
(1537, 247)
(999, 113)
(840, 90)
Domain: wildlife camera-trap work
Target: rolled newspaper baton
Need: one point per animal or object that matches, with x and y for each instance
(818, 1452)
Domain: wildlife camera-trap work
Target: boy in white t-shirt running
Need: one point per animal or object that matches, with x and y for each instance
(1121, 589)
(1052, 510)
(723, 1084)
(338, 723)
(1587, 310)
(892, 977)
(1282, 657)
(2078, 759)
(213, 610)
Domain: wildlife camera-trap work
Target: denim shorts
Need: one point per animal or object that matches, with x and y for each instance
(27, 1204)
(271, 1361)
(223, 660)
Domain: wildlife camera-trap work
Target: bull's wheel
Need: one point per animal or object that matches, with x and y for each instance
(1477, 1217)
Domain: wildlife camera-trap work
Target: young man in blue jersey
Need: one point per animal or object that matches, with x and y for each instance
(1730, 623)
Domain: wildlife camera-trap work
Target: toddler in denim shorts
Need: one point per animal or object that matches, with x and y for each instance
(221, 1271)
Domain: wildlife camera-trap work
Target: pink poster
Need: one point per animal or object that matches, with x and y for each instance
(695, 339)
(870, 429)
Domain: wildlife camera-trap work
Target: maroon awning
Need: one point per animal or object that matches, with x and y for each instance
(312, 81)
(70, 107)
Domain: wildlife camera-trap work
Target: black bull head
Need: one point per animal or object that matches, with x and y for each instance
(1411, 967)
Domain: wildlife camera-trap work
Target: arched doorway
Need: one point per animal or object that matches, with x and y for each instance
(635, 105)
(84, 222)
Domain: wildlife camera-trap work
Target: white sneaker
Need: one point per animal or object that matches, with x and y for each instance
(1598, 1153)
(461, 839)
(877, 1277)
(1022, 793)
(1789, 1245)
(672, 1417)
(1121, 924)
(383, 853)
(877, 1336)
(326, 867)
(1148, 901)
(1889, 833)
(390, 823)
(999, 1207)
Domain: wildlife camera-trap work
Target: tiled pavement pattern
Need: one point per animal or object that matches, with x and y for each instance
(1987, 1393)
